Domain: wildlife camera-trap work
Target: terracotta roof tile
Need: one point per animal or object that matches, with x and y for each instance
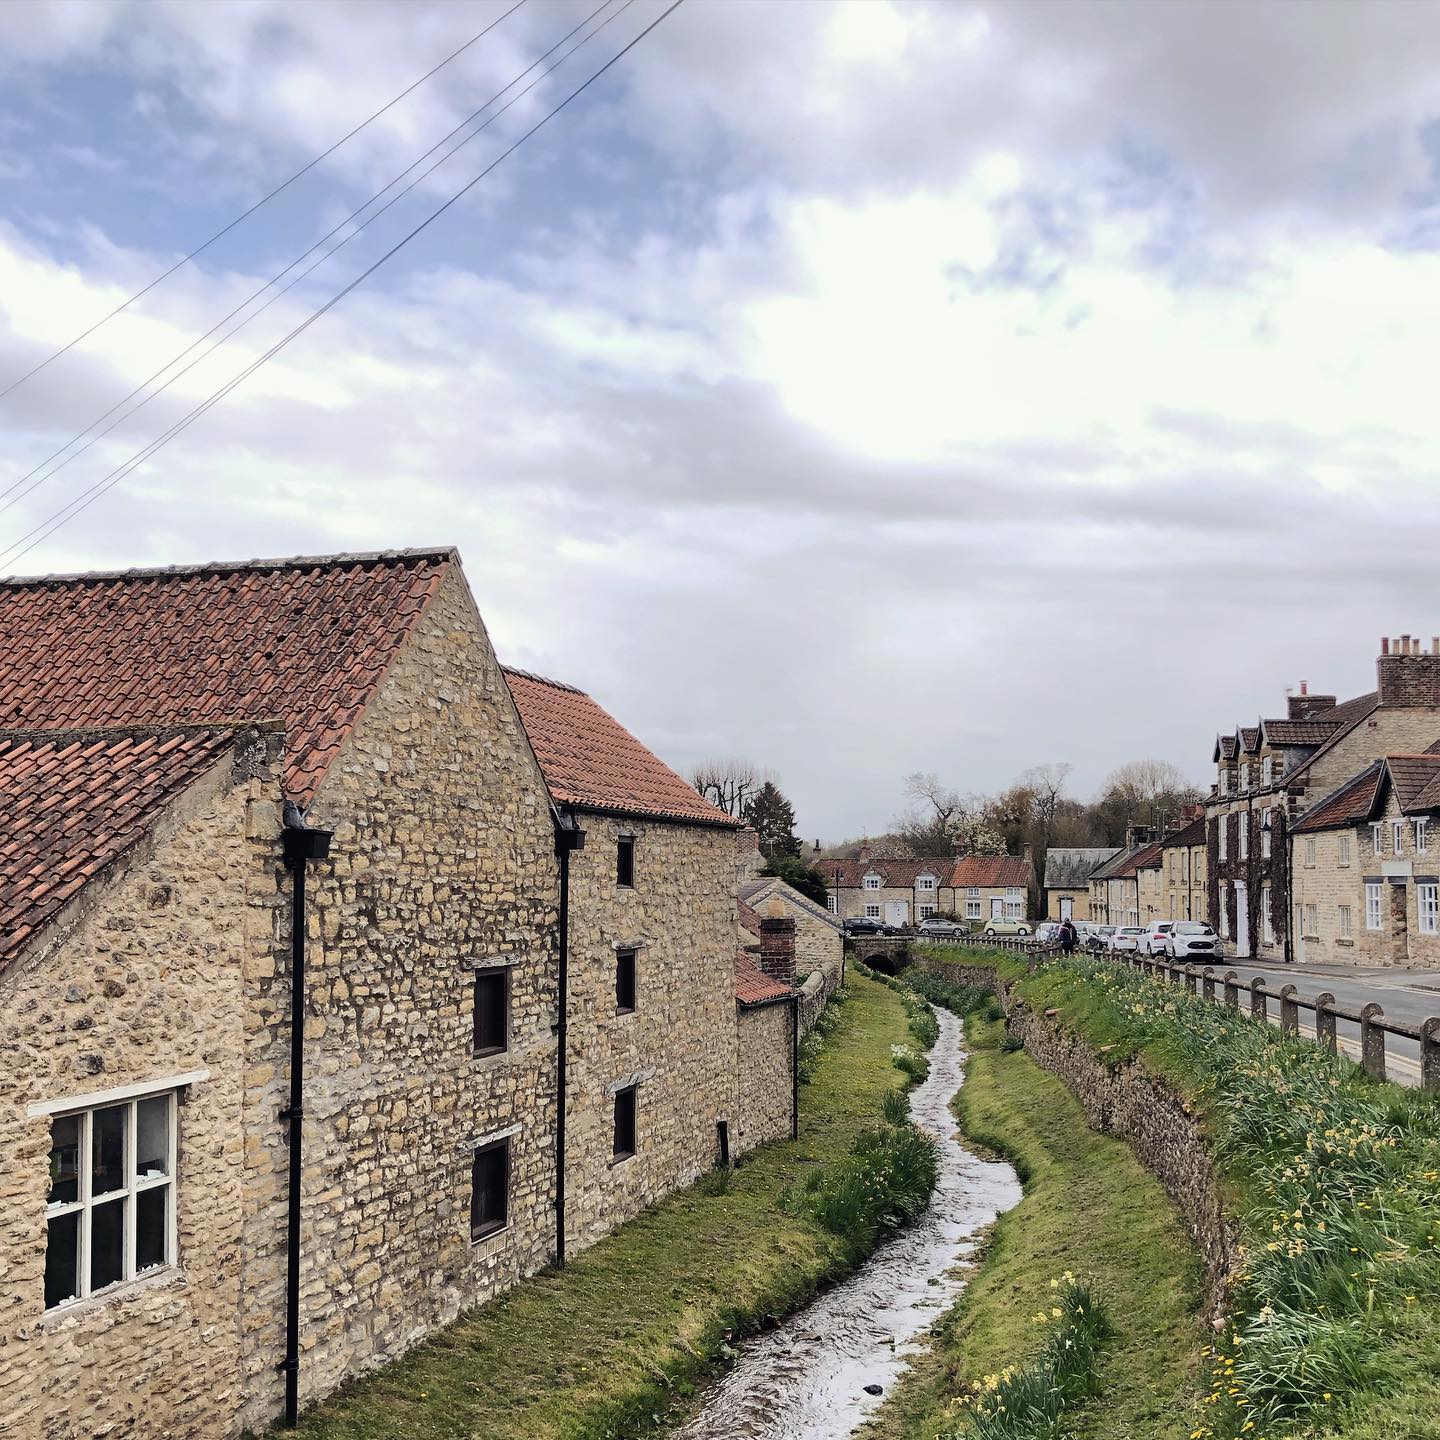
(749, 920)
(72, 804)
(1349, 804)
(897, 874)
(990, 871)
(589, 759)
(753, 986)
(304, 641)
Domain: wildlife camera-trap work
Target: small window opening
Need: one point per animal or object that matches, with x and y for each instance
(492, 1011)
(625, 1123)
(625, 861)
(490, 1189)
(624, 981)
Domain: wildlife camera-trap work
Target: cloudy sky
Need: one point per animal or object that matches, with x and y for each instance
(857, 387)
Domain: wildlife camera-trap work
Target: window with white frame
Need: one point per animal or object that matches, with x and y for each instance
(1224, 823)
(1377, 838)
(1267, 928)
(110, 1216)
(1312, 922)
(1244, 834)
(1372, 904)
(972, 902)
(1224, 912)
(872, 882)
(832, 902)
(1245, 775)
(1344, 850)
(1427, 903)
(1267, 769)
(1310, 852)
(1422, 835)
(1397, 836)
(925, 882)
(923, 911)
(872, 912)
(1224, 781)
(1346, 926)
(1265, 822)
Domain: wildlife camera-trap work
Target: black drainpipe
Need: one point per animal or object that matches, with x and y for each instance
(568, 838)
(299, 845)
(795, 1068)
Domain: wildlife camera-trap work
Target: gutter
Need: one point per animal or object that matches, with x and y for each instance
(299, 844)
(569, 837)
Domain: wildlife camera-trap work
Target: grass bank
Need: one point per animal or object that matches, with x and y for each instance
(610, 1348)
(1091, 1209)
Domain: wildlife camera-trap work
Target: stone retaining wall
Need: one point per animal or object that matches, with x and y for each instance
(819, 985)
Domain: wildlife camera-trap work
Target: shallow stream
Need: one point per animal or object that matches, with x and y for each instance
(806, 1380)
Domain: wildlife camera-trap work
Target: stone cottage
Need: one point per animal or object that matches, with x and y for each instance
(227, 1188)
(1366, 867)
(895, 892)
(1115, 886)
(1183, 855)
(983, 888)
(1067, 879)
(819, 945)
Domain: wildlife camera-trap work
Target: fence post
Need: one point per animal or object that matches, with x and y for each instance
(1289, 1010)
(1190, 978)
(1232, 989)
(1325, 1021)
(1209, 974)
(1430, 1054)
(1258, 1007)
(1372, 1040)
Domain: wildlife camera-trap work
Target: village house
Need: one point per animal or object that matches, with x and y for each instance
(819, 936)
(985, 888)
(1366, 876)
(1183, 856)
(226, 1191)
(1067, 880)
(1115, 886)
(895, 892)
(1270, 774)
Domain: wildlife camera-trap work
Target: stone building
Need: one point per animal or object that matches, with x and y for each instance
(1183, 858)
(1115, 886)
(991, 887)
(224, 769)
(1270, 774)
(1067, 880)
(650, 1063)
(895, 892)
(1366, 867)
(819, 966)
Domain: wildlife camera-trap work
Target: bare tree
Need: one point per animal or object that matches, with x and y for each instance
(1142, 792)
(730, 783)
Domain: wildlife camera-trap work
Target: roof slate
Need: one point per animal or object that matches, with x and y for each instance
(1191, 834)
(1299, 732)
(304, 641)
(753, 986)
(1069, 868)
(590, 760)
(74, 802)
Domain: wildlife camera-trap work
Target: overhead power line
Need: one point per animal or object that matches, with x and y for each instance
(19, 485)
(264, 200)
(42, 532)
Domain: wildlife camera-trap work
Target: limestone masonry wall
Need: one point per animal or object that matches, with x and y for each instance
(678, 1045)
(142, 981)
(443, 859)
(765, 1087)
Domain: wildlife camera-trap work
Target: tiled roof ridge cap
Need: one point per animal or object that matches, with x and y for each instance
(543, 680)
(338, 561)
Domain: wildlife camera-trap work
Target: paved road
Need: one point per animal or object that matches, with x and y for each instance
(1409, 996)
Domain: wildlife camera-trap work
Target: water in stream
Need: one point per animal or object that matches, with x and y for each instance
(806, 1380)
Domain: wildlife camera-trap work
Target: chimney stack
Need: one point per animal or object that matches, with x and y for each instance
(1407, 673)
(777, 942)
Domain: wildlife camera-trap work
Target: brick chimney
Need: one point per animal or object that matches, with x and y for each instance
(1297, 707)
(1407, 673)
(863, 853)
(777, 942)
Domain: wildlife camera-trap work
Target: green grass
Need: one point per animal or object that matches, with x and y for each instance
(610, 1348)
(1334, 1180)
(1089, 1208)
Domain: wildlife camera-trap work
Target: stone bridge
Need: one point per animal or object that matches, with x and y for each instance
(889, 954)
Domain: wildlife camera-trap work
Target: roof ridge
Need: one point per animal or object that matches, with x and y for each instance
(543, 680)
(340, 560)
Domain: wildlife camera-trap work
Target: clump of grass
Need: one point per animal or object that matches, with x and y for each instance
(962, 999)
(895, 1107)
(1027, 1402)
(917, 1067)
(1335, 1182)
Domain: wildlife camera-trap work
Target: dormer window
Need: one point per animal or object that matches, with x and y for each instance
(872, 882)
(925, 882)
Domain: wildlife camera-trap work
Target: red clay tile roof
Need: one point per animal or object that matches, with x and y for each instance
(990, 871)
(1349, 804)
(749, 920)
(590, 760)
(897, 874)
(304, 641)
(1125, 864)
(753, 986)
(1191, 834)
(74, 801)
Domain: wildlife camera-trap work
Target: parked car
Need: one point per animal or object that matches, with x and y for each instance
(1097, 937)
(1152, 939)
(1125, 937)
(1048, 930)
(863, 925)
(934, 927)
(1191, 937)
(1007, 927)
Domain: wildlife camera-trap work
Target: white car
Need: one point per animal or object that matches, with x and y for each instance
(1191, 937)
(1126, 937)
(1153, 937)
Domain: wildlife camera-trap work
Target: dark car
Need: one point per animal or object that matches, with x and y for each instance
(863, 925)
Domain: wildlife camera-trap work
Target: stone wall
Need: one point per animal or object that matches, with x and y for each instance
(443, 858)
(1261, 876)
(141, 981)
(678, 1044)
(765, 1089)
